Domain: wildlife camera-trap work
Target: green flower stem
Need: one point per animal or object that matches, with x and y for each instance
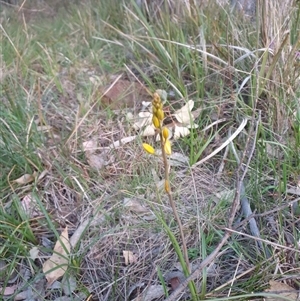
(181, 258)
(171, 201)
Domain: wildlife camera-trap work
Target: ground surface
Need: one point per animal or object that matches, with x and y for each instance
(84, 214)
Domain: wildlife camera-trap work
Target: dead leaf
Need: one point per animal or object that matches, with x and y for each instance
(97, 80)
(129, 257)
(135, 206)
(78, 233)
(273, 150)
(149, 131)
(145, 105)
(9, 290)
(144, 123)
(162, 94)
(122, 141)
(42, 174)
(36, 291)
(174, 282)
(89, 146)
(153, 292)
(123, 94)
(174, 278)
(69, 284)
(135, 289)
(78, 297)
(25, 179)
(34, 253)
(178, 159)
(30, 206)
(225, 194)
(143, 119)
(96, 161)
(282, 289)
(180, 131)
(184, 115)
(44, 128)
(56, 266)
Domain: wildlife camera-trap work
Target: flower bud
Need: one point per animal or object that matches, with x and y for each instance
(156, 98)
(167, 186)
(165, 133)
(155, 122)
(148, 148)
(167, 147)
(160, 114)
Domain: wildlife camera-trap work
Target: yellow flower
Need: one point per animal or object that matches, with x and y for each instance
(167, 147)
(165, 133)
(148, 148)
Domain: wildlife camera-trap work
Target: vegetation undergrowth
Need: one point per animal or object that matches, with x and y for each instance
(75, 80)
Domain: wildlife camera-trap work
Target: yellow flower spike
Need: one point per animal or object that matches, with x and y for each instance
(154, 110)
(160, 114)
(167, 186)
(148, 148)
(167, 147)
(165, 133)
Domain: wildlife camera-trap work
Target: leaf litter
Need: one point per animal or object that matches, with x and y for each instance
(283, 290)
(56, 266)
(98, 161)
(123, 93)
(26, 178)
(129, 257)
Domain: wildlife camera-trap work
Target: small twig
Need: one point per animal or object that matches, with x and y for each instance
(262, 240)
(234, 277)
(277, 208)
(222, 165)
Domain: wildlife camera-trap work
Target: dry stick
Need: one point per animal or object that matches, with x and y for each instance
(254, 214)
(277, 208)
(267, 242)
(233, 211)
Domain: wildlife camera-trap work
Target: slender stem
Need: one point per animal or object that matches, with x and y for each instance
(171, 201)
